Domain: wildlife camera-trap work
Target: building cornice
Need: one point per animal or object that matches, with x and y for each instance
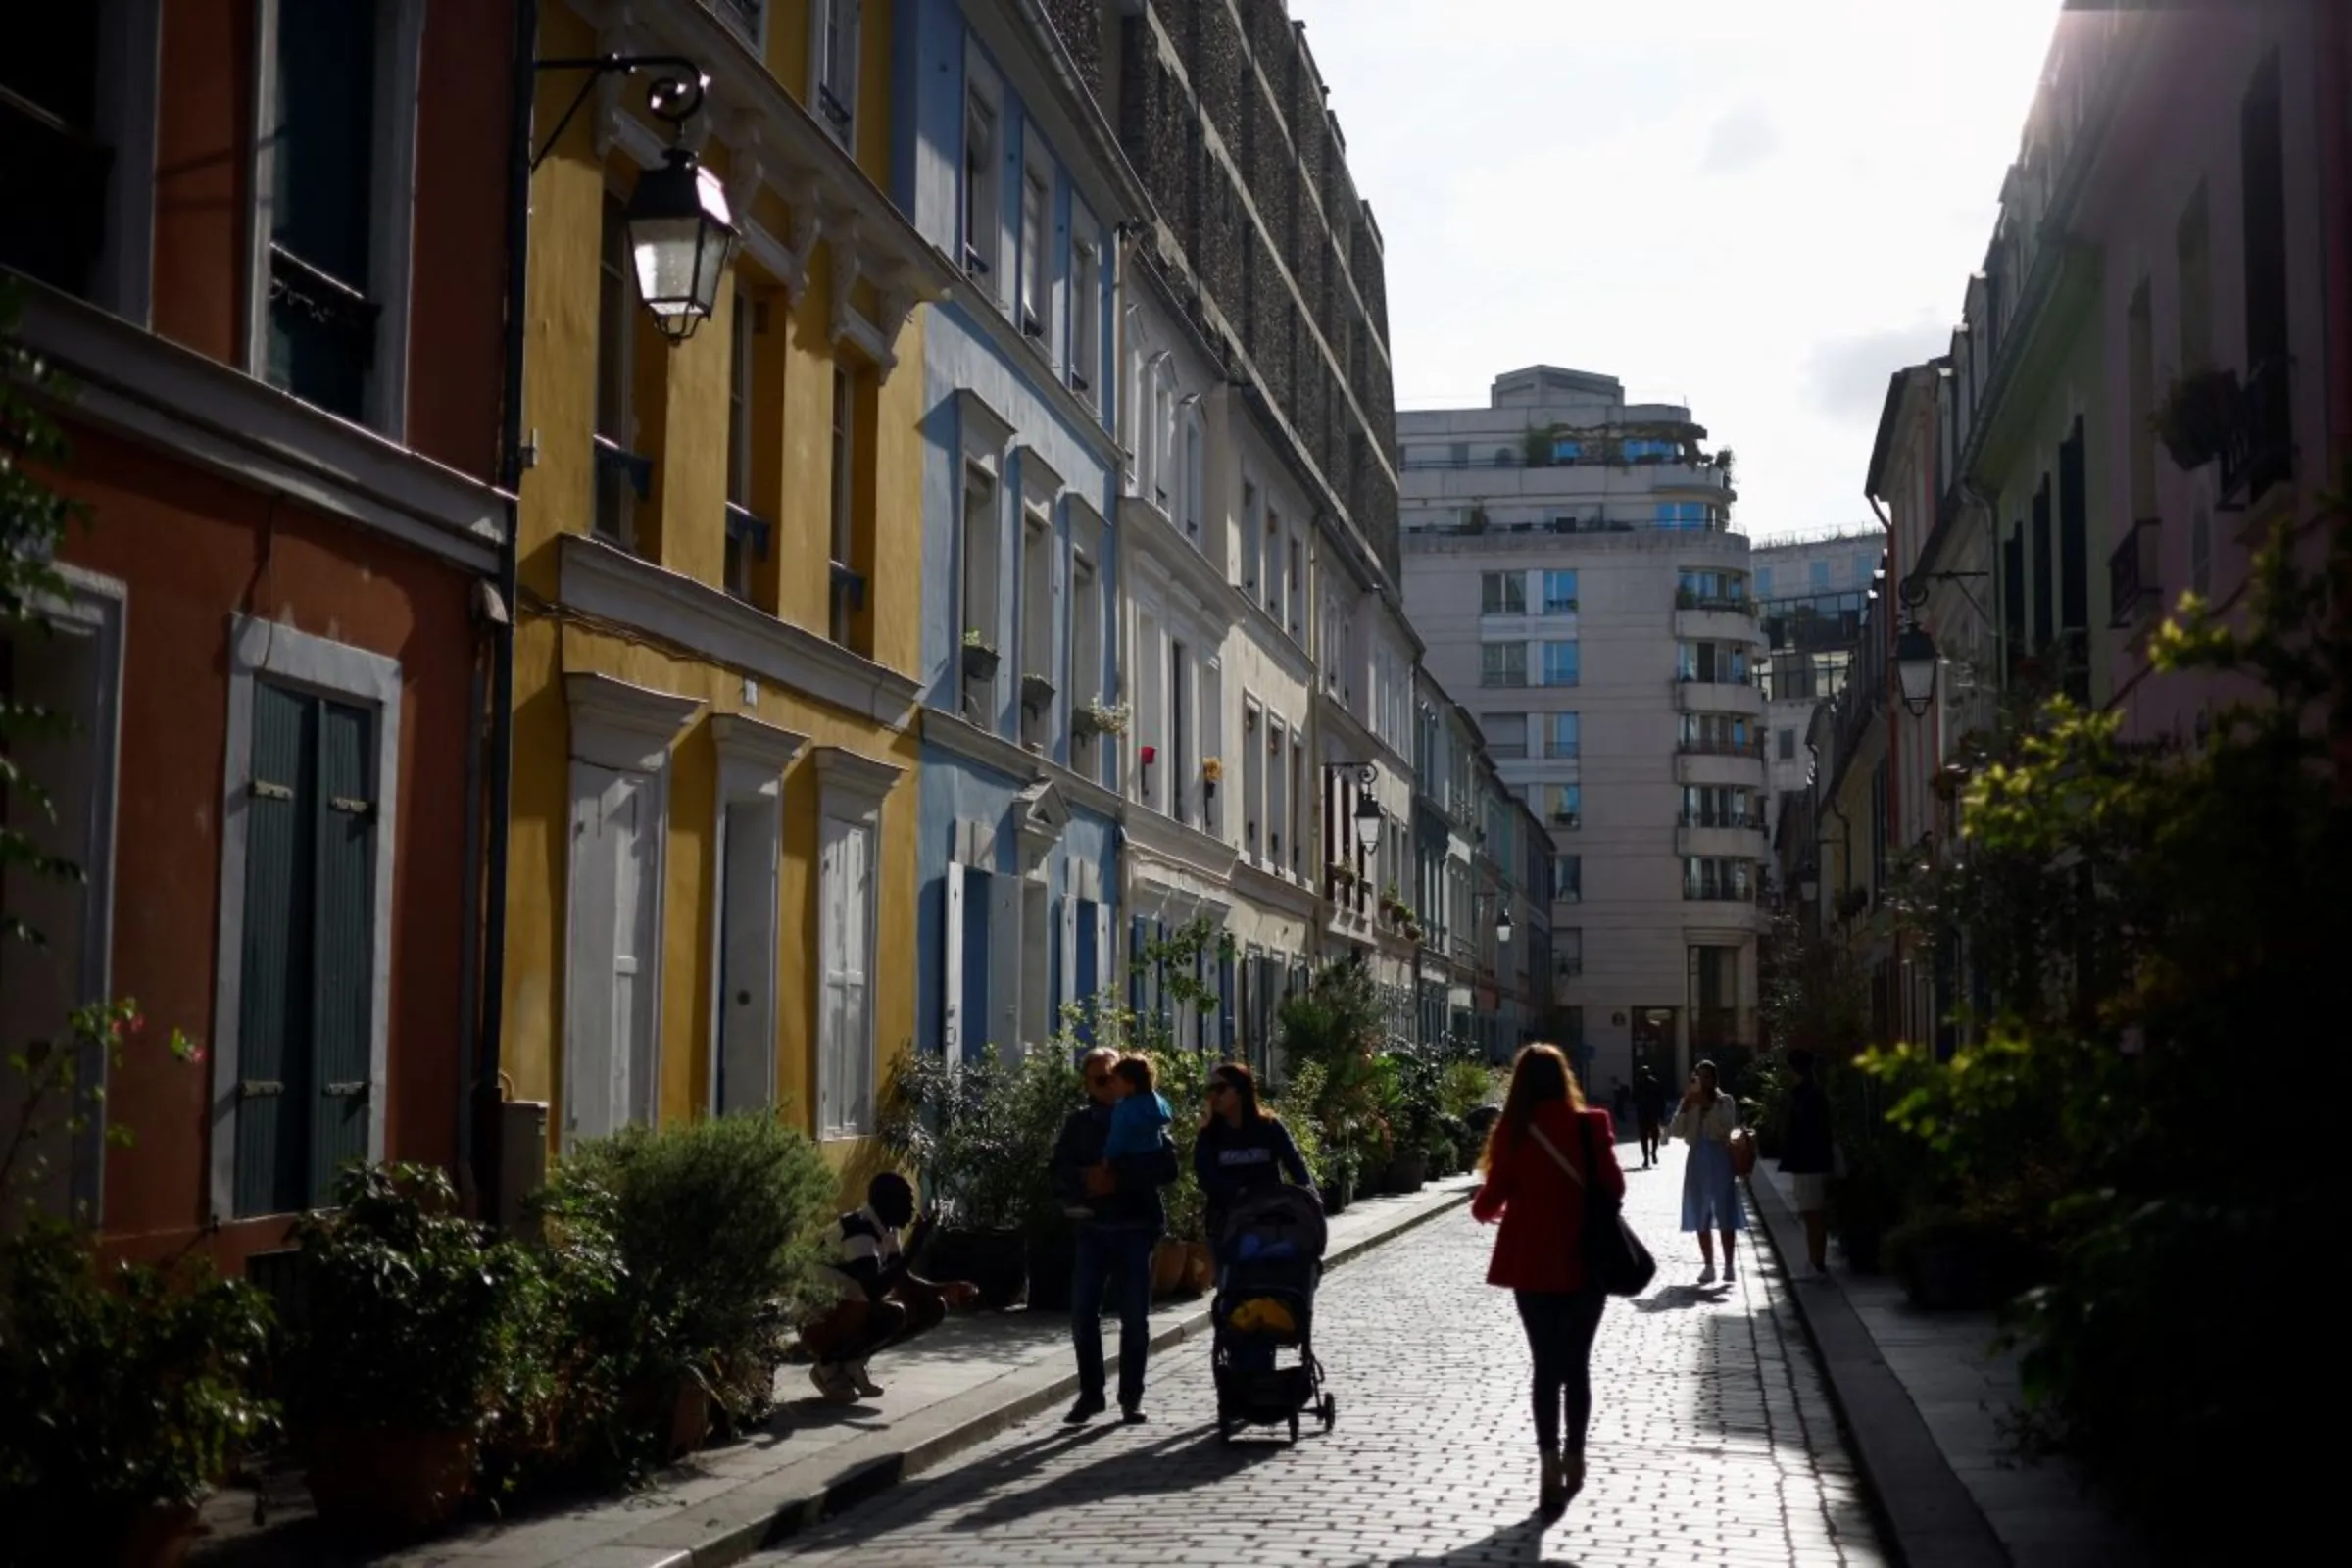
(160, 394)
(1151, 534)
(605, 582)
(952, 732)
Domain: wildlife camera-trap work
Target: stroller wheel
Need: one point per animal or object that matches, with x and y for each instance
(1331, 1411)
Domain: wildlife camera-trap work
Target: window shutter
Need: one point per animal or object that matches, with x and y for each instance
(952, 897)
(858, 989)
(1225, 1000)
(1134, 965)
(976, 900)
(1084, 983)
(344, 815)
(273, 1011)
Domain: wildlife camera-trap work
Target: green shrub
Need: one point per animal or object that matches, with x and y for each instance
(410, 1316)
(119, 1388)
(980, 1135)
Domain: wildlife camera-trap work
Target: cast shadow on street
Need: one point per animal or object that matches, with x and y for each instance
(1677, 1297)
(1517, 1545)
(1191, 1459)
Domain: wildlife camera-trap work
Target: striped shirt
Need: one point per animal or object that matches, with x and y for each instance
(862, 1248)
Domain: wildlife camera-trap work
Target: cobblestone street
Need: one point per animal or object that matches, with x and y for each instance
(1713, 1441)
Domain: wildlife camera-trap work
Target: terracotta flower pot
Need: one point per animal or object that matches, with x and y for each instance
(1169, 1262)
(388, 1481)
(155, 1537)
(678, 1410)
(1201, 1267)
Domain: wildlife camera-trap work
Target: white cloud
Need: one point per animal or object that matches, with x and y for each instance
(1764, 211)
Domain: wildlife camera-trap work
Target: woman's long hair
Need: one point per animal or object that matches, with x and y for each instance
(1244, 1083)
(1710, 1083)
(1541, 1073)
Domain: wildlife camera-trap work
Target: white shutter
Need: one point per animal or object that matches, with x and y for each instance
(832, 875)
(1004, 1026)
(1104, 969)
(608, 984)
(856, 979)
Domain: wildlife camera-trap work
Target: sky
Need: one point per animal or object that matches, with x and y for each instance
(1759, 208)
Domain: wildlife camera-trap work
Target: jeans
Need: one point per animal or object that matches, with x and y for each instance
(1123, 1256)
(1560, 1325)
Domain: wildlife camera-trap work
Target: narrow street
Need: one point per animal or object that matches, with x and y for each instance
(1713, 1441)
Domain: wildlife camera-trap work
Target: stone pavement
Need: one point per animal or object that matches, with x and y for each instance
(1925, 1396)
(955, 1387)
(1712, 1442)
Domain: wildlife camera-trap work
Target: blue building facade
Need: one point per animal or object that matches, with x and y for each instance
(1023, 708)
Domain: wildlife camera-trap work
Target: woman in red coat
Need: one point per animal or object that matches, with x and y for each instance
(1545, 1146)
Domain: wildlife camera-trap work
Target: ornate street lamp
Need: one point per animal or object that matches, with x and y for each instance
(1915, 667)
(681, 233)
(1502, 929)
(1368, 817)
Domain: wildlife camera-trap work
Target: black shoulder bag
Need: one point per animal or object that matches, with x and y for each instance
(1614, 1255)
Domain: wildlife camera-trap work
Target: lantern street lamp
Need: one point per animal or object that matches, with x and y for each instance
(1503, 927)
(1915, 667)
(1368, 817)
(681, 233)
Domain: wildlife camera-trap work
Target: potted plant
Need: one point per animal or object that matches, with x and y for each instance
(125, 1396)
(1037, 692)
(1935, 1252)
(2196, 416)
(410, 1313)
(980, 1135)
(979, 659)
(1863, 1206)
(1098, 717)
(1475, 519)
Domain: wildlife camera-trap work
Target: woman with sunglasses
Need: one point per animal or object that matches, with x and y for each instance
(1241, 1150)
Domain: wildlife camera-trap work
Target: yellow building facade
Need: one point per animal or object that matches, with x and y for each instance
(710, 876)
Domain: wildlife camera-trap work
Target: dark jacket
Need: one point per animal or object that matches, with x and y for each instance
(1649, 1099)
(1135, 1202)
(1231, 1162)
(1807, 1149)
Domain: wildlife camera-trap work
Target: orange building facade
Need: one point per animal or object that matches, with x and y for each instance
(270, 262)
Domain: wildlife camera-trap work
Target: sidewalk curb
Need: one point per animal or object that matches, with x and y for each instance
(695, 1539)
(1924, 1511)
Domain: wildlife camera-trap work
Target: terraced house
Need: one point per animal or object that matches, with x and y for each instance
(719, 646)
(1012, 177)
(271, 273)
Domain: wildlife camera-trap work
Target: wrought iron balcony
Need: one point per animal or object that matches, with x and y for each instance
(2259, 450)
(2133, 587)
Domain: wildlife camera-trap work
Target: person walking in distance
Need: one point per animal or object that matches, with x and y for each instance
(1808, 1155)
(1649, 1111)
(1116, 1203)
(1706, 1121)
(1546, 1149)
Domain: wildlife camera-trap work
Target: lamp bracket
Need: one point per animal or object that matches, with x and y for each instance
(1914, 591)
(674, 95)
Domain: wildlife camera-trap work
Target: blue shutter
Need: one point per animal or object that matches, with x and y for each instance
(345, 815)
(1089, 972)
(274, 1004)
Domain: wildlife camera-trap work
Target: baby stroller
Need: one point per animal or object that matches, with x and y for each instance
(1265, 1300)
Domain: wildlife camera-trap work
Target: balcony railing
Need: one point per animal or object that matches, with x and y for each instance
(1717, 745)
(2131, 579)
(1687, 598)
(1718, 893)
(2260, 449)
(1717, 819)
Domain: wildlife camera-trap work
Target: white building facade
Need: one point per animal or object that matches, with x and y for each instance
(1570, 568)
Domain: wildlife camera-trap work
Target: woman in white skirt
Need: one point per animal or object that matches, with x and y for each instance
(1705, 1121)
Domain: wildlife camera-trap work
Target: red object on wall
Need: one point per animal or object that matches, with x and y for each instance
(1151, 755)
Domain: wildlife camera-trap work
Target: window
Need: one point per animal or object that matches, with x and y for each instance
(752, 758)
(1298, 589)
(1763, 582)
(746, 534)
(1559, 663)
(1567, 878)
(321, 173)
(844, 500)
(1180, 750)
(1715, 806)
(982, 217)
(1502, 593)
(1713, 662)
(2192, 250)
(1195, 476)
(1817, 573)
(1252, 535)
(1502, 664)
(1567, 452)
(301, 1027)
(850, 792)
(1711, 590)
(1864, 566)
(1255, 817)
(622, 477)
(1647, 451)
(1506, 734)
(1711, 877)
(1567, 806)
(982, 627)
(1564, 735)
(1787, 745)
(2139, 331)
(1086, 318)
(1559, 593)
(836, 56)
(1037, 276)
(1037, 625)
(1280, 851)
(1685, 517)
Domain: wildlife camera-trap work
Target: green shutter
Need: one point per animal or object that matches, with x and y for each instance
(344, 999)
(273, 1011)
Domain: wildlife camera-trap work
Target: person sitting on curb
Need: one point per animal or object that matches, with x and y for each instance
(882, 1301)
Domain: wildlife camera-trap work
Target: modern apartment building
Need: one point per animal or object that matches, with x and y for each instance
(1571, 569)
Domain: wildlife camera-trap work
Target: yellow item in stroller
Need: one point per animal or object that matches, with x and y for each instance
(1261, 1314)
